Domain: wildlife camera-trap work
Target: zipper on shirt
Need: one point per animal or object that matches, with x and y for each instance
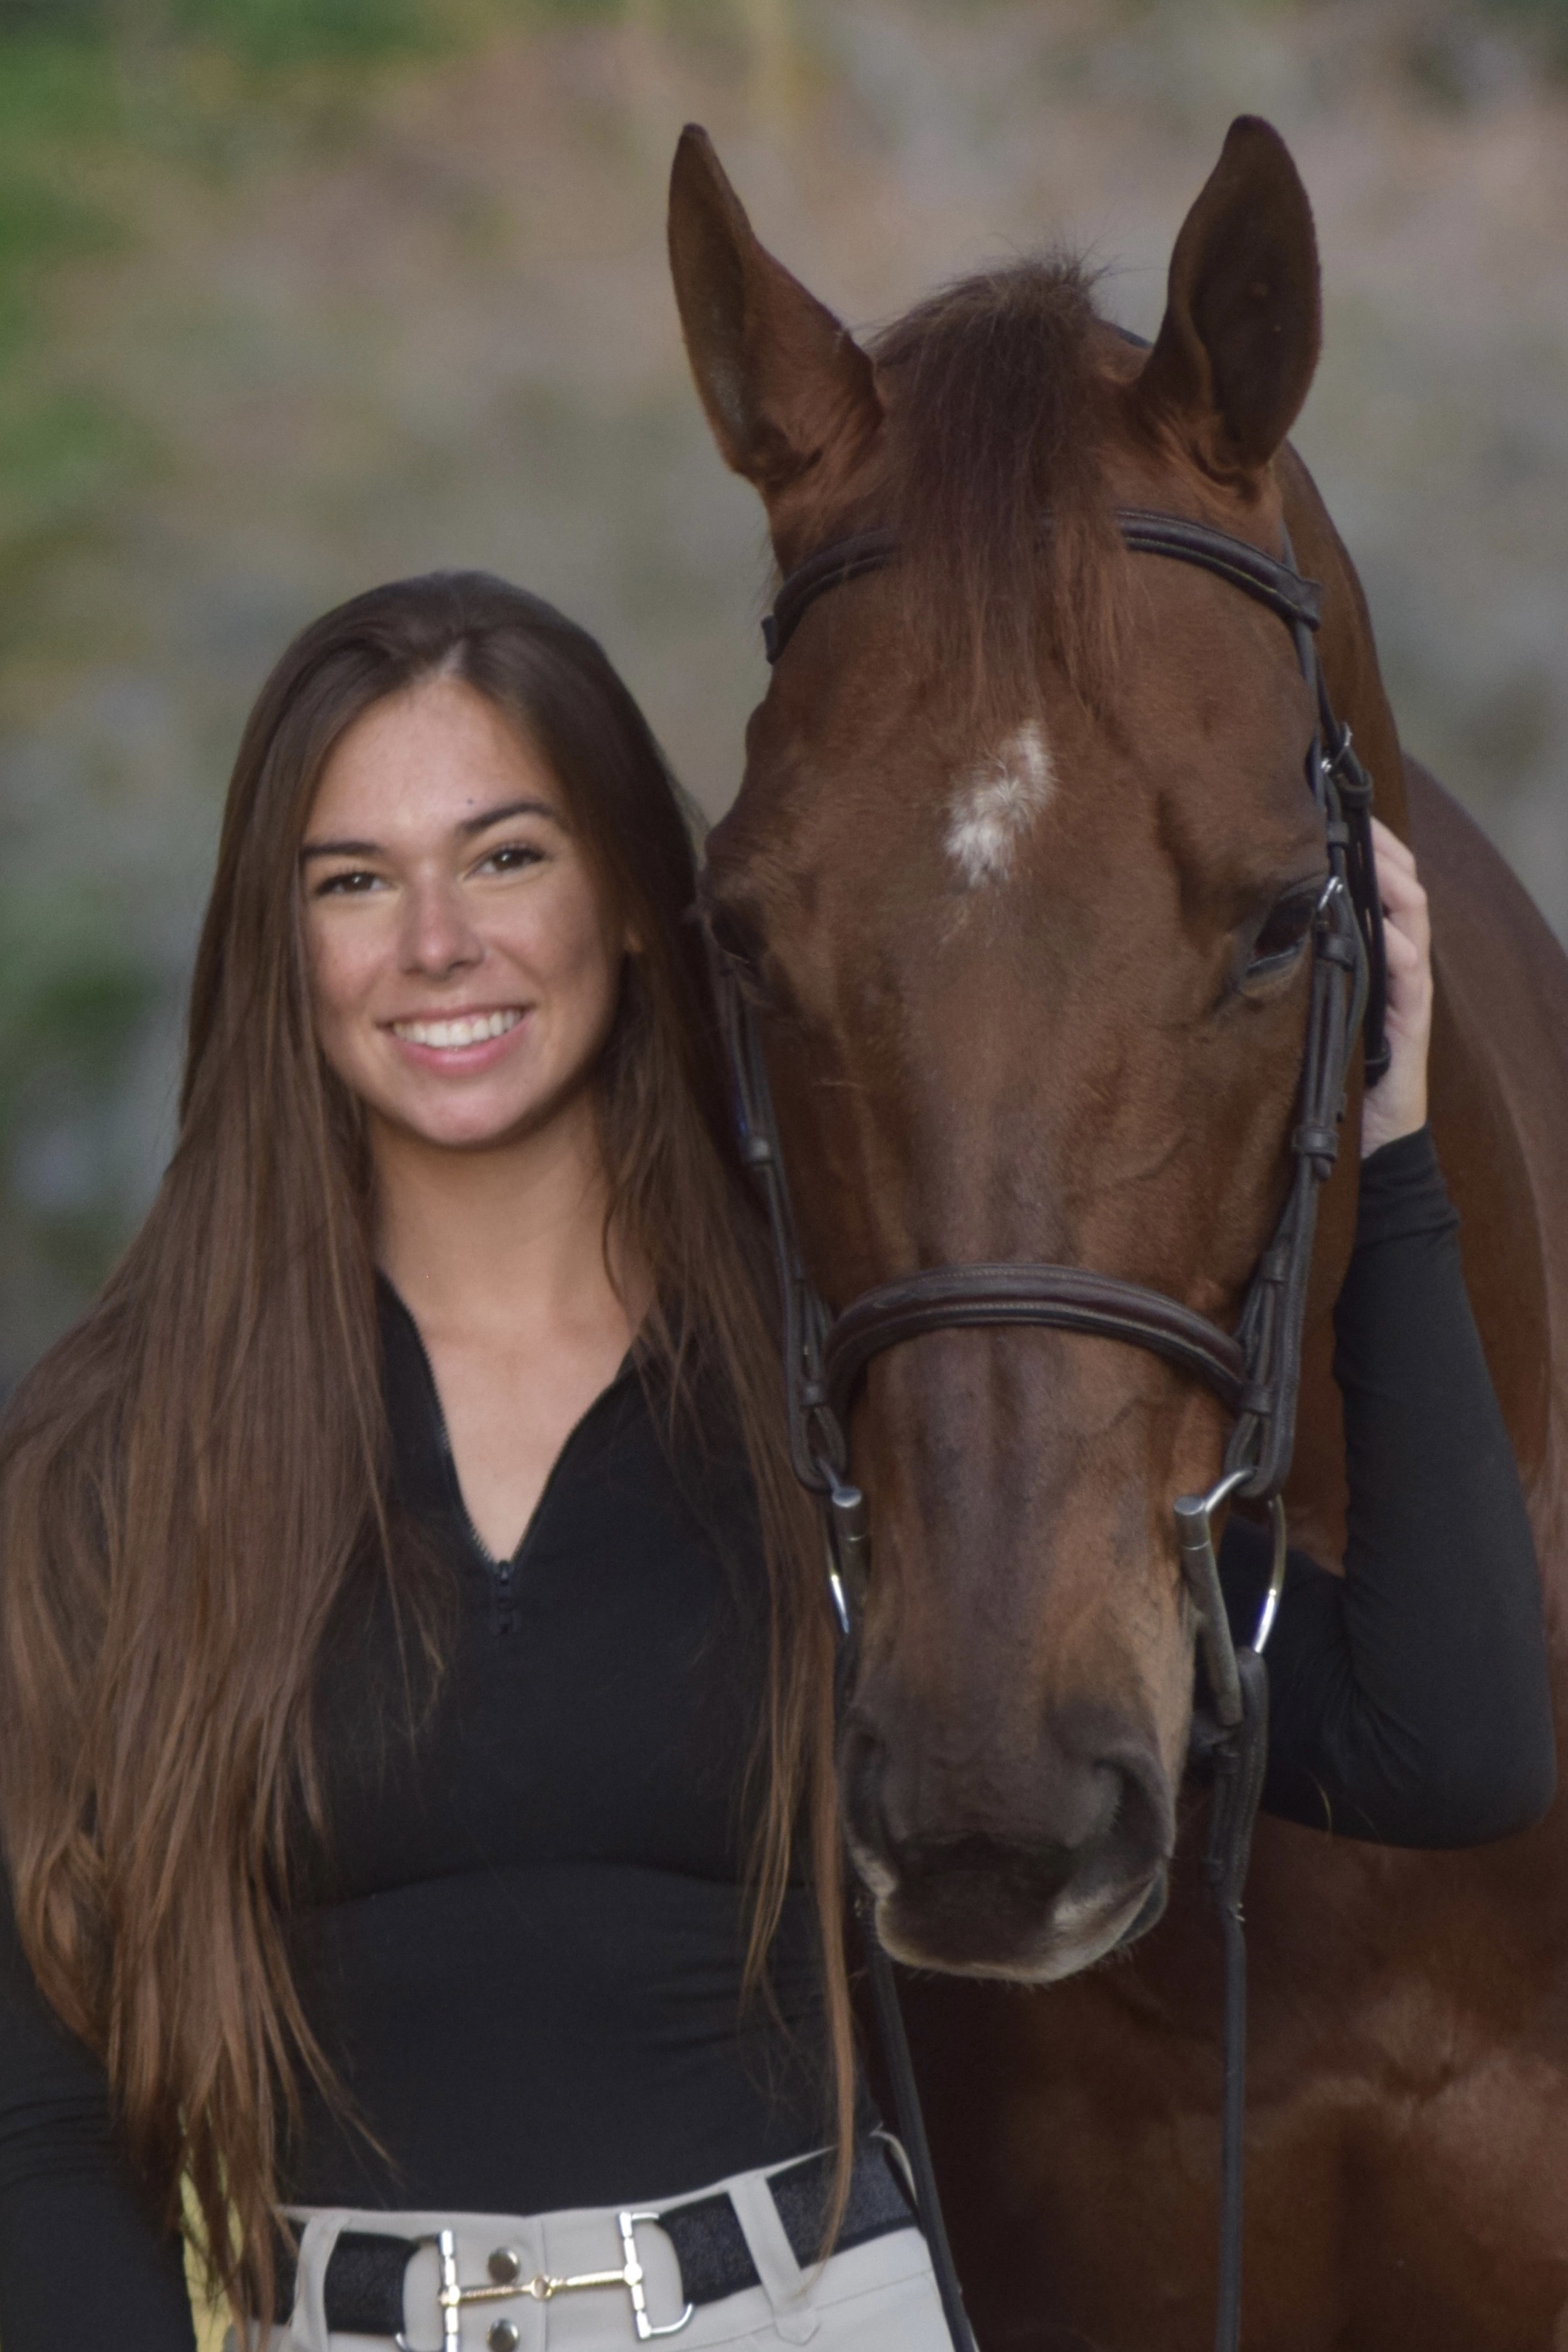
(503, 1573)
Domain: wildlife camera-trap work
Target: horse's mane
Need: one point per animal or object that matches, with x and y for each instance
(996, 413)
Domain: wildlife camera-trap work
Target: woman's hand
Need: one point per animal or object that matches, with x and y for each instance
(1398, 1104)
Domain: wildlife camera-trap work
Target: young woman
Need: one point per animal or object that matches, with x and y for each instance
(416, 1679)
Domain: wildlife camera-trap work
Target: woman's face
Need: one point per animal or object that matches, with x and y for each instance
(463, 969)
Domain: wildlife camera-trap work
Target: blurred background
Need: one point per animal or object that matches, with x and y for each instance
(298, 295)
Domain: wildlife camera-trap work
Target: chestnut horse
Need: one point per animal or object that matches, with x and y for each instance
(1016, 869)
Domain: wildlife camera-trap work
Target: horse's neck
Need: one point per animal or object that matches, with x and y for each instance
(1500, 1112)
(1498, 1073)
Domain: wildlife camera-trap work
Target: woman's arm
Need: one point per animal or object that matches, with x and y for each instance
(80, 2257)
(1409, 1700)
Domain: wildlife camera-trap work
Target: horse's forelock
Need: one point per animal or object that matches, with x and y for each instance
(995, 430)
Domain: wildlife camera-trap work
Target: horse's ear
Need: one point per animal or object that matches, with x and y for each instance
(784, 384)
(1238, 343)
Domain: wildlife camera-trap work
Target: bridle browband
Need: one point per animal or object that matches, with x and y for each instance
(1256, 1372)
(1251, 569)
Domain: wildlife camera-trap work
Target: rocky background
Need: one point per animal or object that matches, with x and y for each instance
(297, 295)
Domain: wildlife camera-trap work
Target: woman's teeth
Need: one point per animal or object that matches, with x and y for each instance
(473, 1030)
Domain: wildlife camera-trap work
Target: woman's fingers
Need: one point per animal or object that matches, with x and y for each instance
(1396, 1106)
(1405, 909)
(1398, 879)
(1402, 953)
(1390, 850)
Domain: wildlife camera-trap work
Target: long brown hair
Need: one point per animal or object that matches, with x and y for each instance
(187, 1477)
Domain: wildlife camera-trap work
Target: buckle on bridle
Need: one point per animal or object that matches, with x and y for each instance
(1200, 1567)
(849, 1543)
(1340, 766)
(543, 2287)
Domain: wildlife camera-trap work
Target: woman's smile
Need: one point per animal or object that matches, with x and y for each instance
(458, 1040)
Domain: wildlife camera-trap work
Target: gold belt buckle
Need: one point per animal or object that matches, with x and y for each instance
(542, 2287)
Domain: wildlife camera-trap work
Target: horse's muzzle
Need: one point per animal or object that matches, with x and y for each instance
(970, 1885)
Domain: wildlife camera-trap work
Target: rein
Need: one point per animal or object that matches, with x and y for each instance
(1255, 1371)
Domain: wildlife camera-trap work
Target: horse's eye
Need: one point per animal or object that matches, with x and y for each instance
(1282, 935)
(734, 939)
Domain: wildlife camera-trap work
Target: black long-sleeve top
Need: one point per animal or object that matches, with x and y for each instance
(1409, 1700)
(523, 1954)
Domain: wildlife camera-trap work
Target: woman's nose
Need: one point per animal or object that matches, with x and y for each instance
(438, 936)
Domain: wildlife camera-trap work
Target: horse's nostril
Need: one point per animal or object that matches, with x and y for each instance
(1144, 1820)
(862, 1761)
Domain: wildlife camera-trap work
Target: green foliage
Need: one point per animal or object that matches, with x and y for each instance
(55, 101)
(90, 93)
(279, 34)
(70, 1013)
(65, 19)
(270, 32)
(73, 998)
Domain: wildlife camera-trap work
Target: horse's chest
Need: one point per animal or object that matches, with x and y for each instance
(1408, 2158)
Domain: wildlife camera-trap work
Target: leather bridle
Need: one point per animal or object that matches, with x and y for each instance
(1255, 1371)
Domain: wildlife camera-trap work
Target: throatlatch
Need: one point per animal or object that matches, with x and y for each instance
(1256, 1372)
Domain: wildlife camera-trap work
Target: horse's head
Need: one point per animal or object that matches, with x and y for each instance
(1022, 876)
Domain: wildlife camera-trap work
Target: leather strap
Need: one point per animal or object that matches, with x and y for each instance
(1263, 577)
(712, 2250)
(846, 558)
(1239, 1766)
(363, 2287)
(1063, 1297)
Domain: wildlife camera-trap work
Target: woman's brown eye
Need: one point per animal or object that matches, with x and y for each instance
(1283, 934)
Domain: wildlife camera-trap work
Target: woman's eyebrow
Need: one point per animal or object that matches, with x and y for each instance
(338, 849)
(469, 826)
(472, 825)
